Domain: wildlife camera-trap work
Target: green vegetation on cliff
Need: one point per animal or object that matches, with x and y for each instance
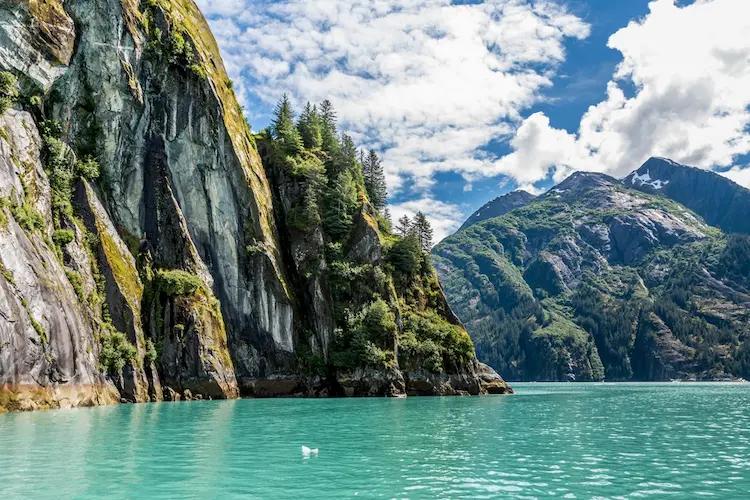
(8, 90)
(383, 291)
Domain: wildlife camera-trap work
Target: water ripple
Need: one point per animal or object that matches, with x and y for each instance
(550, 440)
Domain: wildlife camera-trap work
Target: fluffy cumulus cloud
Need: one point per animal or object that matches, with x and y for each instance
(740, 175)
(444, 217)
(430, 84)
(426, 82)
(689, 68)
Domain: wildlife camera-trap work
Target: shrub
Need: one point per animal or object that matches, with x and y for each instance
(372, 355)
(151, 353)
(429, 353)
(174, 282)
(77, 282)
(373, 333)
(198, 70)
(431, 340)
(115, 351)
(63, 236)
(378, 323)
(27, 217)
(7, 274)
(39, 329)
(175, 47)
(51, 128)
(61, 175)
(88, 168)
(8, 90)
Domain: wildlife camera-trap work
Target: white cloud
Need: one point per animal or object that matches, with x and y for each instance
(445, 218)
(426, 82)
(740, 175)
(690, 67)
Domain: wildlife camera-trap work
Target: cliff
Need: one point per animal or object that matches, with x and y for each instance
(143, 255)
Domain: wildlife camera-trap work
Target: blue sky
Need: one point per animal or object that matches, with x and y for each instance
(581, 81)
(468, 100)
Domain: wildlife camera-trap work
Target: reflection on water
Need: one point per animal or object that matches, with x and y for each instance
(549, 440)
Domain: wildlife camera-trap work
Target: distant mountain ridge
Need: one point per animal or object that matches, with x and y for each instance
(499, 206)
(601, 278)
(719, 200)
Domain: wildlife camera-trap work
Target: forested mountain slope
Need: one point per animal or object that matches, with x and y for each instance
(596, 280)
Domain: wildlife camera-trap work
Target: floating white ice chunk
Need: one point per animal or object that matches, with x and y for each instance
(309, 452)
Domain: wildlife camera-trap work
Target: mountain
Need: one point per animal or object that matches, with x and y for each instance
(598, 280)
(499, 206)
(720, 201)
(148, 252)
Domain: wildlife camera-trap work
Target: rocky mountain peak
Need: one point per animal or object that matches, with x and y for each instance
(499, 206)
(720, 201)
(580, 182)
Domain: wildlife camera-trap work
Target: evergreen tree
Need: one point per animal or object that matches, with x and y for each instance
(341, 202)
(310, 127)
(375, 180)
(423, 231)
(347, 157)
(387, 216)
(329, 136)
(404, 227)
(283, 129)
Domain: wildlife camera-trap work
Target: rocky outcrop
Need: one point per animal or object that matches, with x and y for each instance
(315, 272)
(36, 39)
(193, 351)
(183, 173)
(143, 257)
(48, 352)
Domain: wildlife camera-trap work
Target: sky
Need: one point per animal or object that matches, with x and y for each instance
(466, 100)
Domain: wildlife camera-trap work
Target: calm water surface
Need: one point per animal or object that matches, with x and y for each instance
(549, 440)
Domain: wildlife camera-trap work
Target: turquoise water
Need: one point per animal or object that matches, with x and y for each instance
(549, 440)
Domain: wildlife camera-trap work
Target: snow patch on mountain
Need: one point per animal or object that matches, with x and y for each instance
(645, 179)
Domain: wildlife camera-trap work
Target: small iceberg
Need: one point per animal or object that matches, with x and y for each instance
(309, 452)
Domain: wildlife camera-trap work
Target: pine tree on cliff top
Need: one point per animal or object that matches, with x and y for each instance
(283, 128)
(329, 136)
(375, 184)
(404, 227)
(423, 231)
(310, 127)
(346, 160)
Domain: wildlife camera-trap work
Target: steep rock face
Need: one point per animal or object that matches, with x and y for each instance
(48, 355)
(597, 280)
(36, 39)
(718, 200)
(346, 291)
(499, 206)
(183, 174)
(144, 260)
